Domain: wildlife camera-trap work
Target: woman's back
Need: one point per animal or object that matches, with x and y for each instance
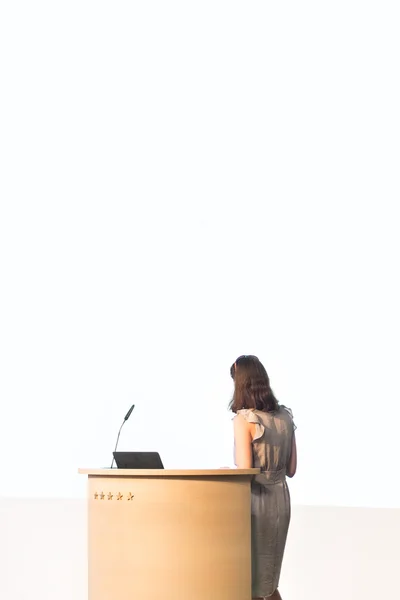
(272, 440)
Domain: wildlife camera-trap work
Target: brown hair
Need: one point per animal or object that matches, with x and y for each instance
(252, 387)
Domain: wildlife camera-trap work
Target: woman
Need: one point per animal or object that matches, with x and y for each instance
(264, 438)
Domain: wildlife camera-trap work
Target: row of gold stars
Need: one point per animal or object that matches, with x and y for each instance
(110, 496)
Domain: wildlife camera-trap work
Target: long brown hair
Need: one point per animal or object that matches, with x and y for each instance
(252, 387)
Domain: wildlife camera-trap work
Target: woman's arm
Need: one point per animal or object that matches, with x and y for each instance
(243, 443)
(292, 465)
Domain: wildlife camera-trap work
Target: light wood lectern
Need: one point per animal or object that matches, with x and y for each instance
(169, 535)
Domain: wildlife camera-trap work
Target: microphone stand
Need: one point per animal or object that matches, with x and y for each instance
(119, 433)
(128, 414)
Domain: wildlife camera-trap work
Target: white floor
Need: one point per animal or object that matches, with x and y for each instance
(346, 553)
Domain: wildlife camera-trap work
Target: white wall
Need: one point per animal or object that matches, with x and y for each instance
(182, 184)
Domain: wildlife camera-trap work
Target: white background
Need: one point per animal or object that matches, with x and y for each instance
(182, 183)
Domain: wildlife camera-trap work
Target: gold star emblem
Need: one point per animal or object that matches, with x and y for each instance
(101, 496)
(120, 496)
(109, 496)
(96, 495)
(130, 496)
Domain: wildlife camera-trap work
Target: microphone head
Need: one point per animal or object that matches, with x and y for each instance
(128, 414)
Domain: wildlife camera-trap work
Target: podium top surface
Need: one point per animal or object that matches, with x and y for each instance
(169, 473)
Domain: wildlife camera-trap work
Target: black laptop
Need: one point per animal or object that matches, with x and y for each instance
(138, 460)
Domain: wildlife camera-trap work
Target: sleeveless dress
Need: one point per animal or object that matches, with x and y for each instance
(270, 499)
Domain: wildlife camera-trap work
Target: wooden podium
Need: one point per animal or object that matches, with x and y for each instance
(169, 535)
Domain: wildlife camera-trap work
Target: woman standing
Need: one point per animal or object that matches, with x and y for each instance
(265, 439)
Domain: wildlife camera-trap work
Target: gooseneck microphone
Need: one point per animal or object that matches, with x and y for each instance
(128, 414)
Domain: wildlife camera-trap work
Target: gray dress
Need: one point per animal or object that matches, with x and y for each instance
(270, 499)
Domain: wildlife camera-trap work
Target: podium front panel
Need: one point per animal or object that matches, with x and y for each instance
(169, 538)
